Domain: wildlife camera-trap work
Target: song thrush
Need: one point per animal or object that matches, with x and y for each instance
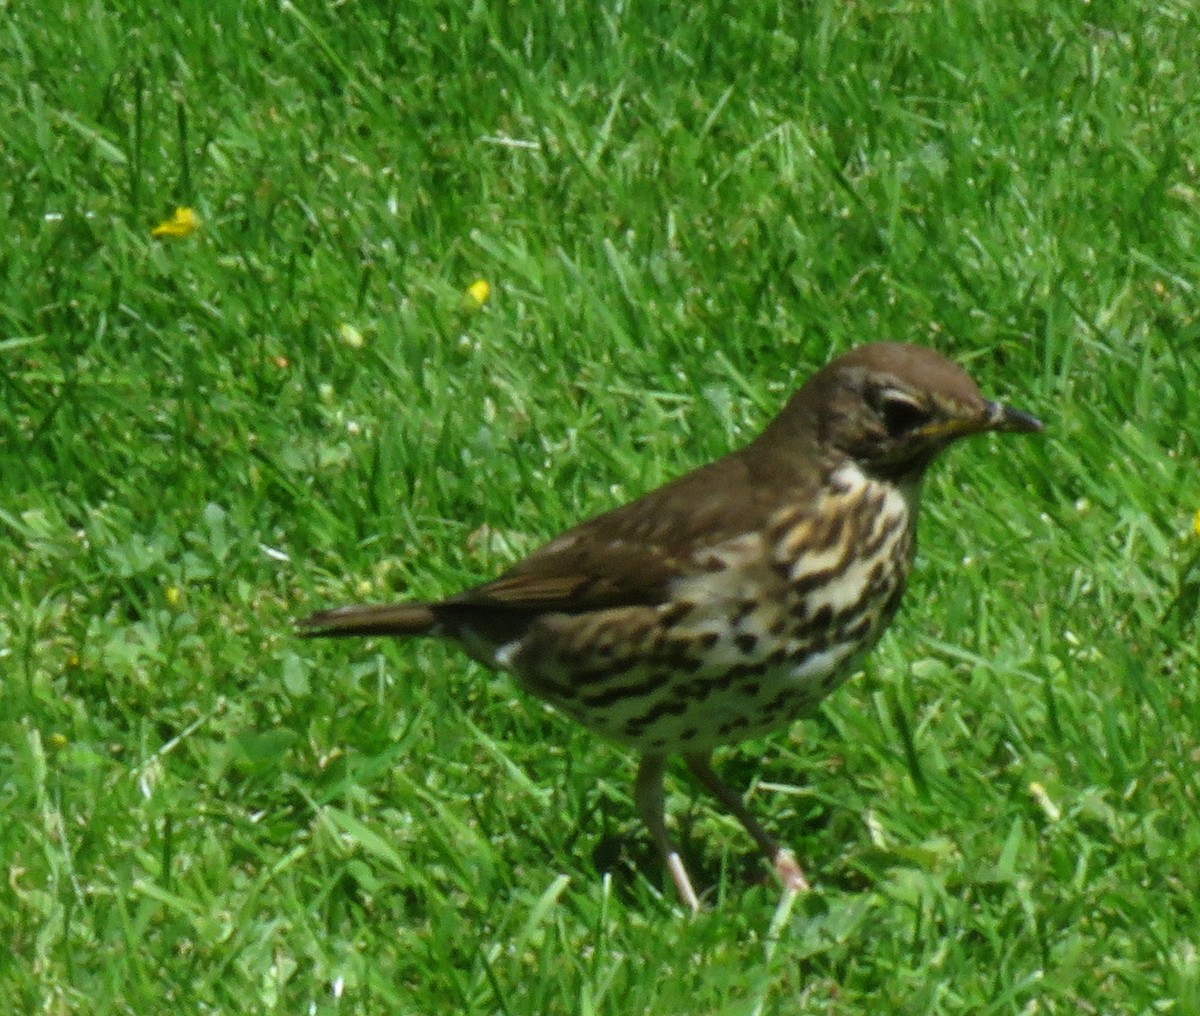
(732, 600)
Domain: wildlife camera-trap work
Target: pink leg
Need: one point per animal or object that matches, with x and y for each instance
(786, 866)
(648, 794)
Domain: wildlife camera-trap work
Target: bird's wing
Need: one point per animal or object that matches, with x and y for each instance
(578, 578)
(630, 556)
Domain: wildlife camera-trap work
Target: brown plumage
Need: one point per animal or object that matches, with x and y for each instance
(731, 600)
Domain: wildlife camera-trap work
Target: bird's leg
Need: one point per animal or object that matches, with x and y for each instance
(648, 795)
(784, 861)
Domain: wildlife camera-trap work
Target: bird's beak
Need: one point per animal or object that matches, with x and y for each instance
(997, 416)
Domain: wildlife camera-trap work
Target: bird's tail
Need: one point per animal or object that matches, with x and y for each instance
(383, 619)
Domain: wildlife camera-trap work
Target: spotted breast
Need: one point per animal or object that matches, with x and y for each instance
(755, 633)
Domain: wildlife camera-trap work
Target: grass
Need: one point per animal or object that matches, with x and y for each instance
(681, 213)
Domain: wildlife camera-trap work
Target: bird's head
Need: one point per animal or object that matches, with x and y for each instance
(891, 408)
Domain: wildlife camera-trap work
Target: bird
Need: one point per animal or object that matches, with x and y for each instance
(729, 602)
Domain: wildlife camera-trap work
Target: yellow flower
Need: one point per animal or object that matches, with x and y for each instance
(174, 596)
(1196, 523)
(476, 295)
(184, 222)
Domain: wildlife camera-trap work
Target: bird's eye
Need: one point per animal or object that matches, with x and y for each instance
(900, 414)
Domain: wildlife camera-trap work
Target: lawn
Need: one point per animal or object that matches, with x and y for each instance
(680, 212)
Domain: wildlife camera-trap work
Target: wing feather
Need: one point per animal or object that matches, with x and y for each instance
(631, 555)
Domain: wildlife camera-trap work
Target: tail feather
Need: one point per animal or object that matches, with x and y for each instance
(382, 619)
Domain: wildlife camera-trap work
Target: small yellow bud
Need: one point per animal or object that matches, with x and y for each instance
(350, 335)
(477, 294)
(184, 222)
(174, 595)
